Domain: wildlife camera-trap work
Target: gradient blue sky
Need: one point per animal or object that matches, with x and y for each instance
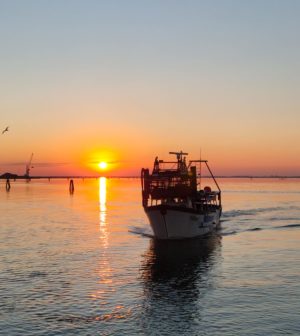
(126, 80)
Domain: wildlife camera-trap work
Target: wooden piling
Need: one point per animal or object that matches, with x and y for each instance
(7, 186)
(71, 187)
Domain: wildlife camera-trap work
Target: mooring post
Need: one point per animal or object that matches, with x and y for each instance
(7, 185)
(71, 187)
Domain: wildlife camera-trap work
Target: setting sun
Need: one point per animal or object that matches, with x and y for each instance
(102, 165)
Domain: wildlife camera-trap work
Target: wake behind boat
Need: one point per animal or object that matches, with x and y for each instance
(176, 209)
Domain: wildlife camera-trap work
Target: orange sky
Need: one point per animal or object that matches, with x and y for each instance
(124, 84)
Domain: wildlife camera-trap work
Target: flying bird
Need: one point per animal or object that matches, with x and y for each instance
(6, 130)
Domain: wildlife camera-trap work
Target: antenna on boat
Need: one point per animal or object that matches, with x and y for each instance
(200, 170)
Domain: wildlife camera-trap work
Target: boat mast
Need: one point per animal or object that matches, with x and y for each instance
(181, 164)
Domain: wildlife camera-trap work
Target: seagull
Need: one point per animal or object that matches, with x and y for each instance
(6, 130)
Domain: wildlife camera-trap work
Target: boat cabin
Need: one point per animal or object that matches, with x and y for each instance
(175, 183)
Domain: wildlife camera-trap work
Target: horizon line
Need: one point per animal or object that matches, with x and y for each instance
(20, 177)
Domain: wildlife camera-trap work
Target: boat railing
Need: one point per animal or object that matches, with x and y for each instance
(177, 191)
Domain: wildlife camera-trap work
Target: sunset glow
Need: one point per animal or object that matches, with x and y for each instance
(198, 78)
(102, 165)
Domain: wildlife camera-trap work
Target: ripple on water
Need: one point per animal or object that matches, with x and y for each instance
(66, 269)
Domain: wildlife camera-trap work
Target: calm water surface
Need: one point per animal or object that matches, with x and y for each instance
(85, 264)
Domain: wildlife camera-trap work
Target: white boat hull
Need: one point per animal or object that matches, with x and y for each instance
(176, 224)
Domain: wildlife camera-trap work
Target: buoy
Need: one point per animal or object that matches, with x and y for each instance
(71, 187)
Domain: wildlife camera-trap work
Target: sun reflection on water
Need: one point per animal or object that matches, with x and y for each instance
(105, 269)
(102, 216)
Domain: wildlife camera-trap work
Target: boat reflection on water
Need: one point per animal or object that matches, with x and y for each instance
(180, 259)
(177, 275)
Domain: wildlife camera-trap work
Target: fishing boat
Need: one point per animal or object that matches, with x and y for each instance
(174, 202)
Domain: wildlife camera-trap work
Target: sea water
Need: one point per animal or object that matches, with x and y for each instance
(86, 263)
